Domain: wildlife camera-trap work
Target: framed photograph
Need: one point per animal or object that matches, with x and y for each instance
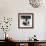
(25, 20)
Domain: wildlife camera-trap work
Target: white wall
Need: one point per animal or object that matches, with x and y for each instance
(45, 28)
(11, 8)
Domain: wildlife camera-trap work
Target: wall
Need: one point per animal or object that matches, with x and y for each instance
(11, 8)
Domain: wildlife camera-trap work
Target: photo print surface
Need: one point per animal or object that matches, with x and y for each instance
(25, 20)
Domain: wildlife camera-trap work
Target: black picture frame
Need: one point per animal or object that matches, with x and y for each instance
(25, 17)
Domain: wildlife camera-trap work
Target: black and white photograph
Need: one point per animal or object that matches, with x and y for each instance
(25, 20)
